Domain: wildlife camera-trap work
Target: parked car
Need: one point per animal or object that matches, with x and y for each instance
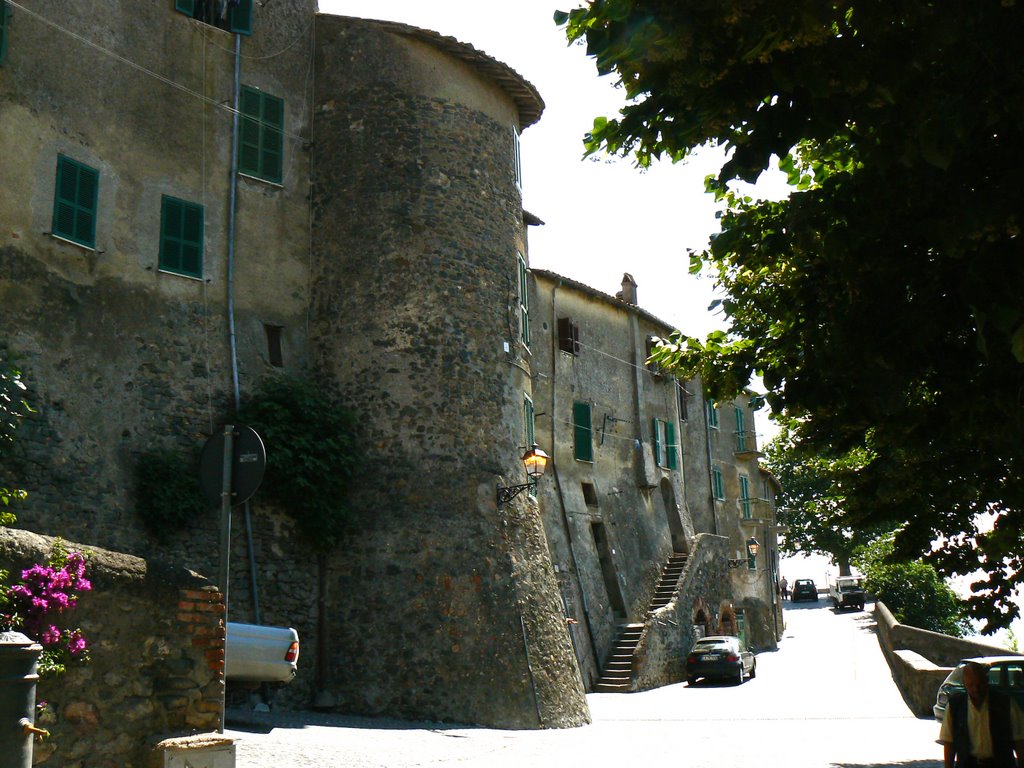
(723, 657)
(1005, 673)
(805, 589)
(258, 654)
(847, 592)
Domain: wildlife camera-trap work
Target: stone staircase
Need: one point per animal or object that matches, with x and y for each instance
(617, 676)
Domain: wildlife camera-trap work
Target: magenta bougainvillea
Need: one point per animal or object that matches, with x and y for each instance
(44, 592)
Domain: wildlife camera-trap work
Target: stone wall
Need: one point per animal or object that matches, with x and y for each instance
(156, 639)
(921, 659)
(660, 656)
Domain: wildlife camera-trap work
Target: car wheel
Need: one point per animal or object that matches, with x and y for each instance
(753, 670)
(691, 680)
(739, 674)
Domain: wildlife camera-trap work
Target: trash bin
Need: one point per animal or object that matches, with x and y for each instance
(19, 657)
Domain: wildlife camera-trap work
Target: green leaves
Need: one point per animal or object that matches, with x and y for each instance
(311, 454)
(880, 302)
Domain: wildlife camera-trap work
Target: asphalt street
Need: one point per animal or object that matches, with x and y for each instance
(825, 699)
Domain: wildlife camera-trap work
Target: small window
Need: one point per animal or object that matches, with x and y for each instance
(275, 354)
(745, 496)
(741, 432)
(589, 494)
(517, 158)
(75, 201)
(229, 15)
(712, 410)
(583, 432)
(717, 484)
(652, 344)
(524, 300)
(671, 446)
(5, 14)
(181, 237)
(568, 336)
(260, 149)
(684, 400)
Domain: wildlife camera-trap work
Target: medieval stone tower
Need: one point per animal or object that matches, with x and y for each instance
(448, 606)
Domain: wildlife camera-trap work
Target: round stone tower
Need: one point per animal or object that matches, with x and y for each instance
(443, 604)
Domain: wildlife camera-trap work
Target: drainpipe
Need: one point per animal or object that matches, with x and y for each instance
(232, 339)
(558, 482)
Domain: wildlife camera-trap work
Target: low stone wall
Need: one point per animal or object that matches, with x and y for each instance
(921, 659)
(156, 639)
(661, 653)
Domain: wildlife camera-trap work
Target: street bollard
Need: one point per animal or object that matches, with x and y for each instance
(19, 657)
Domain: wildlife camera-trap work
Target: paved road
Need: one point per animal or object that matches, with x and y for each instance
(824, 700)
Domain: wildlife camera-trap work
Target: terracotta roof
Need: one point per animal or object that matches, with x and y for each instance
(521, 91)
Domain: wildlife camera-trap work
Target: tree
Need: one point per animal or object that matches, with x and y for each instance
(813, 498)
(913, 591)
(880, 302)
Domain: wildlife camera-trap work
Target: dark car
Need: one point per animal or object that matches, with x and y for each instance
(805, 589)
(1005, 673)
(722, 657)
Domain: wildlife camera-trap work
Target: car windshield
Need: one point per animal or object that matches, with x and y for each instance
(849, 586)
(703, 646)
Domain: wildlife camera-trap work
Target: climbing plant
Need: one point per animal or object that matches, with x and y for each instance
(311, 454)
(13, 408)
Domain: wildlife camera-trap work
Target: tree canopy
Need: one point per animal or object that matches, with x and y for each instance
(881, 301)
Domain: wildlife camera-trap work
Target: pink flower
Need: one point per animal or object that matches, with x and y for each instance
(50, 636)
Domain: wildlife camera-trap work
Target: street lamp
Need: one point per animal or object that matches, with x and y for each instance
(752, 549)
(536, 462)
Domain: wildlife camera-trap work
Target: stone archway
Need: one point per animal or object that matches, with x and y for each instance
(727, 623)
(702, 619)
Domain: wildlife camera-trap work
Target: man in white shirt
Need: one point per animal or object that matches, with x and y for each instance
(982, 728)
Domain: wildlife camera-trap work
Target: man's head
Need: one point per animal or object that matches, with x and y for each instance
(976, 680)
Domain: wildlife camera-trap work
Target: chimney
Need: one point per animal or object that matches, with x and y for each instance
(628, 292)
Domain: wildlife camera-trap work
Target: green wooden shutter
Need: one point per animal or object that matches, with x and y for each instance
(188, 7)
(656, 436)
(240, 17)
(741, 433)
(745, 497)
(4, 15)
(712, 414)
(181, 237)
(528, 421)
(670, 445)
(261, 135)
(76, 192)
(524, 299)
(717, 484)
(272, 139)
(583, 441)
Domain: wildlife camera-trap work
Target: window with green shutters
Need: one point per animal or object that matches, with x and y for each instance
(238, 18)
(741, 432)
(181, 237)
(745, 497)
(665, 448)
(528, 421)
(261, 139)
(583, 432)
(5, 13)
(76, 193)
(712, 410)
(524, 300)
(717, 484)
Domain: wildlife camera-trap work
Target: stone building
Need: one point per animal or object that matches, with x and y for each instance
(631, 494)
(193, 203)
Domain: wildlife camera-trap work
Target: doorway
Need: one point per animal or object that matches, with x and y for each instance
(611, 580)
(675, 524)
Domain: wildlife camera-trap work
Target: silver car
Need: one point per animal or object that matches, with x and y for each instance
(1005, 674)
